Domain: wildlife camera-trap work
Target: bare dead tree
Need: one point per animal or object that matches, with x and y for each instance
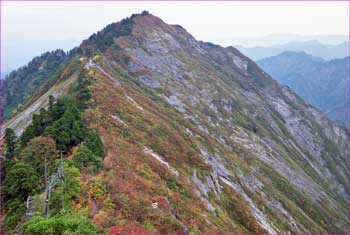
(29, 207)
(45, 171)
(51, 182)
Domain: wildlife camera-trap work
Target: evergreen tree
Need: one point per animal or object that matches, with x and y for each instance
(83, 93)
(27, 135)
(69, 130)
(83, 157)
(9, 144)
(22, 180)
(94, 143)
(6, 166)
(51, 102)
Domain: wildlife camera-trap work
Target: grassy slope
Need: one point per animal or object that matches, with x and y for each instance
(134, 179)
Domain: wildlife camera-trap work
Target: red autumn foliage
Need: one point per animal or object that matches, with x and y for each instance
(133, 179)
(126, 229)
(163, 203)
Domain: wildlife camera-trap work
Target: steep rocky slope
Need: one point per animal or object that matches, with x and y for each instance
(198, 139)
(324, 84)
(22, 83)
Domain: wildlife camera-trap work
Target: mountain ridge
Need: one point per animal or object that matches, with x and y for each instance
(197, 138)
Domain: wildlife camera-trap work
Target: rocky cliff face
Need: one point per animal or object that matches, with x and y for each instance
(200, 135)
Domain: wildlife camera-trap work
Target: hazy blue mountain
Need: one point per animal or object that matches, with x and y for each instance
(321, 83)
(283, 38)
(312, 47)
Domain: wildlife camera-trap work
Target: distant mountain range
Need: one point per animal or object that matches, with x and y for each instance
(322, 83)
(283, 38)
(313, 47)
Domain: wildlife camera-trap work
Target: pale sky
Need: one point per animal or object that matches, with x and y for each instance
(31, 28)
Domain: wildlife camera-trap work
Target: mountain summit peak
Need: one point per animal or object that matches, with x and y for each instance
(105, 37)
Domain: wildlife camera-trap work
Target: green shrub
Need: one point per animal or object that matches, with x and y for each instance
(84, 157)
(66, 190)
(172, 184)
(22, 180)
(14, 213)
(59, 225)
(94, 143)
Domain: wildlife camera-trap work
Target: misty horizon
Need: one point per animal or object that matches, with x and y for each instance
(50, 26)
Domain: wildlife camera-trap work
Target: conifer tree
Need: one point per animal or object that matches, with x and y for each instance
(9, 143)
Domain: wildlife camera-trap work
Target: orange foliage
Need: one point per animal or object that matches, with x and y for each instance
(134, 179)
(126, 229)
